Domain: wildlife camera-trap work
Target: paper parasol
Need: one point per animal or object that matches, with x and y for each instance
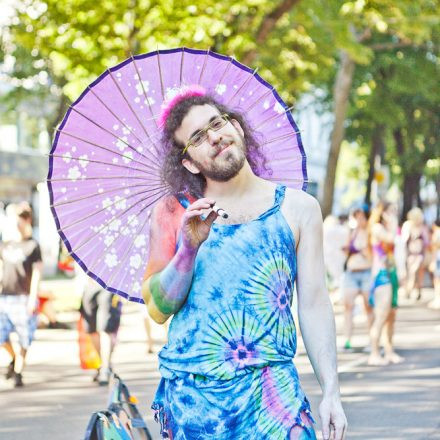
(105, 164)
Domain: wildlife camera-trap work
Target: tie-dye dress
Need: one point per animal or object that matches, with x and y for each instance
(227, 370)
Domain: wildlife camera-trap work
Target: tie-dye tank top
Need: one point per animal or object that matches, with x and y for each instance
(227, 370)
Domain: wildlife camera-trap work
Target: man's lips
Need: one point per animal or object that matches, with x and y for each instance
(223, 148)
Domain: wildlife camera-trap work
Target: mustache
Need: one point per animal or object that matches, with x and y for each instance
(220, 146)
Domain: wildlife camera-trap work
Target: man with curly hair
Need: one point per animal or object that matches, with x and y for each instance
(227, 370)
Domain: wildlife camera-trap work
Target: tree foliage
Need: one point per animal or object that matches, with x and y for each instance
(399, 92)
(51, 50)
(376, 26)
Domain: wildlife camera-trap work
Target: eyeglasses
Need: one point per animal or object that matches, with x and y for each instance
(196, 139)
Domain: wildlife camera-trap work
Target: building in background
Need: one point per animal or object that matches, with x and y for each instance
(23, 173)
(315, 126)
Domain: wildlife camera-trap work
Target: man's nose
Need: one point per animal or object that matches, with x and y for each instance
(214, 136)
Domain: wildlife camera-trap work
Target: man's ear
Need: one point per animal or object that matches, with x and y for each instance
(237, 126)
(189, 165)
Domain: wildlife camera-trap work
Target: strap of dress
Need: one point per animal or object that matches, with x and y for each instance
(280, 192)
(183, 200)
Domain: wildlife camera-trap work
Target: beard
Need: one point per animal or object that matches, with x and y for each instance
(228, 165)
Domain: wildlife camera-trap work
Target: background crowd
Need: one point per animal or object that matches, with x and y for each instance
(370, 254)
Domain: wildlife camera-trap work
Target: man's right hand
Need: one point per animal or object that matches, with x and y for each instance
(195, 230)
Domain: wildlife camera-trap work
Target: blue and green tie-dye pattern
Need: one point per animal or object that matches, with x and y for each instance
(227, 367)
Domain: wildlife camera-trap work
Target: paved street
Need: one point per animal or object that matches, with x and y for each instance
(394, 402)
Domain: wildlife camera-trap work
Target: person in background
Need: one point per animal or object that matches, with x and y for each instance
(20, 274)
(101, 311)
(416, 239)
(148, 330)
(3, 220)
(383, 226)
(46, 309)
(335, 238)
(435, 264)
(148, 325)
(357, 277)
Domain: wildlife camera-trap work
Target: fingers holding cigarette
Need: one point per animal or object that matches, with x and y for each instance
(219, 211)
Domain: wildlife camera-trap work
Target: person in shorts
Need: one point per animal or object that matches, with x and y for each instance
(20, 274)
(357, 276)
(383, 226)
(101, 311)
(435, 264)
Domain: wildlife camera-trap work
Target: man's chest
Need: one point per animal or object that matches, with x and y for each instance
(249, 210)
(244, 211)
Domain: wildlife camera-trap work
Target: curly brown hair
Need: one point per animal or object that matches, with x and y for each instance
(174, 173)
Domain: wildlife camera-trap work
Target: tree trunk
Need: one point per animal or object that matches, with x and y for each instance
(61, 109)
(341, 92)
(411, 189)
(267, 25)
(132, 42)
(376, 148)
(411, 178)
(398, 139)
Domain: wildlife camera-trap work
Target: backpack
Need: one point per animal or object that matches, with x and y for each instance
(121, 420)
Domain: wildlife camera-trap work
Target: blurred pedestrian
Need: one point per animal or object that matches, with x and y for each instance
(66, 263)
(3, 220)
(21, 268)
(357, 276)
(335, 238)
(383, 226)
(415, 236)
(400, 256)
(435, 264)
(46, 309)
(149, 330)
(101, 311)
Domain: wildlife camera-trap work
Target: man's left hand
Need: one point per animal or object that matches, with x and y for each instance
(334, 422)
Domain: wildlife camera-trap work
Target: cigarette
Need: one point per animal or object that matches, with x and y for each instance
(219, 211)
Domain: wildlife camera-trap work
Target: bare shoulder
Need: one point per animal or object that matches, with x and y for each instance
(167, 207)
(301, 211)
(302, 206)
(166, 215)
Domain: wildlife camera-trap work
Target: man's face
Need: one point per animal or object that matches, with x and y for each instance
(222, 155)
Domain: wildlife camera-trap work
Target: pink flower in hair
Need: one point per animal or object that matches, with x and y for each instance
(176, 95)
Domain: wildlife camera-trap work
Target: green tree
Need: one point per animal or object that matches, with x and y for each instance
(394, 114)
(298, 46)
(375, 26)
(76, 40)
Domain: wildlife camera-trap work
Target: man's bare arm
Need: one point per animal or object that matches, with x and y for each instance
(316, 317)
(168, 277)
(165, 292)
